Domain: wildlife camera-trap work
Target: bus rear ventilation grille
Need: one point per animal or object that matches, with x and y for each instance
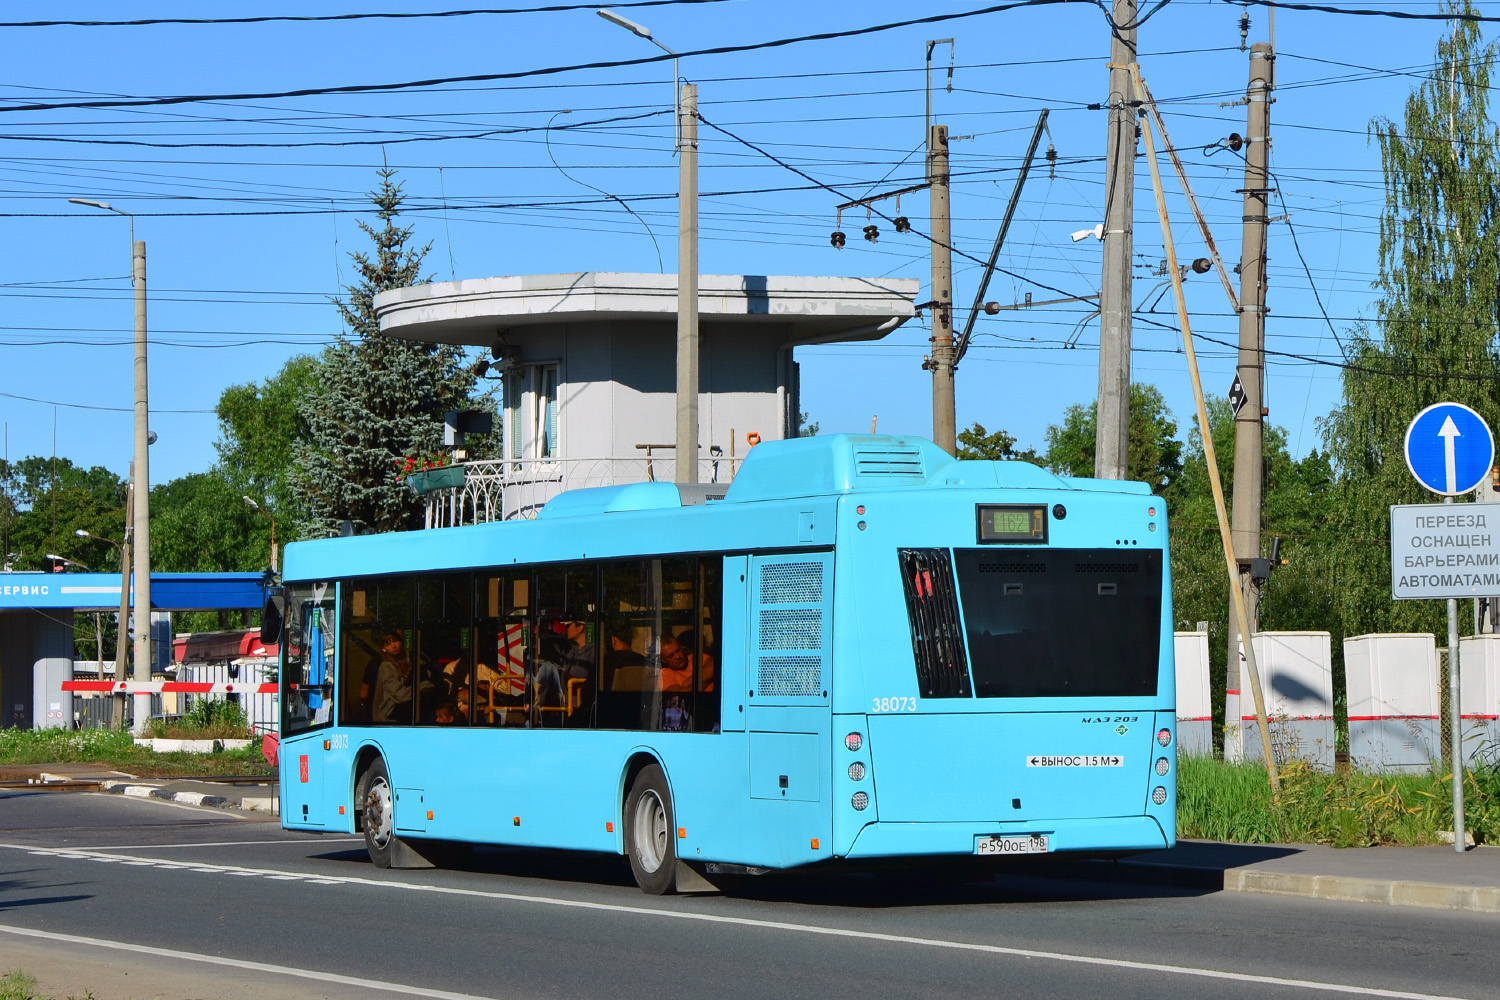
(1106, 568)
(902, 462)
(1013, 567)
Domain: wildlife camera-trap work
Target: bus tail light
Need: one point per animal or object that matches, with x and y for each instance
(1163, 766)
(1163, 736)
(1159, 795)
(860, 801)
(854, 741)
(857, 771)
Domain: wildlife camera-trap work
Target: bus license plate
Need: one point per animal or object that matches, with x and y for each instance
(1033, 843)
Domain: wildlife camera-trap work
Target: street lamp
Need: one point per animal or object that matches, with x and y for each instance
(141, 468)
(85, 533)
(687, 257)
(66, 561)
(266, 514)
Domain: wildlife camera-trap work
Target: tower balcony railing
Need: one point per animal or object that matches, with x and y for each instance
(507, 489)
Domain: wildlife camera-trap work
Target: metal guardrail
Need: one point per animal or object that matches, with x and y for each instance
(515, 489)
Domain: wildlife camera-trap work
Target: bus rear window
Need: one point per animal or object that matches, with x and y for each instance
(1061, 622)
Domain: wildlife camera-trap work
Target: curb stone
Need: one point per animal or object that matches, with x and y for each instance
(1343, 888)
(153, 792)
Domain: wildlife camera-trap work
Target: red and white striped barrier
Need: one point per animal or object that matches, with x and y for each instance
(158, 687)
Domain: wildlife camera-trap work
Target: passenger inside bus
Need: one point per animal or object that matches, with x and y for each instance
(677, 661)
(393, 681)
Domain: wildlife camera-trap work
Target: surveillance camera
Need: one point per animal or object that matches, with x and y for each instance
(1097, 233)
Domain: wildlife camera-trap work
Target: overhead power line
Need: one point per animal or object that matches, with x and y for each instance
(365, 88)
(846, 196)
(1363, 12)
(267, 18)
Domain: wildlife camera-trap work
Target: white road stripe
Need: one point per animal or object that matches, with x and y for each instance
(229, 843)
(235, 963)
(778, 925)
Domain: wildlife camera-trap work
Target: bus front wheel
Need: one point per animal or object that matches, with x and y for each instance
(649, 830)
(377, 812)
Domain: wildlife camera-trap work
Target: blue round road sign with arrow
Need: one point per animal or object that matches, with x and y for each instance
(1449, 448)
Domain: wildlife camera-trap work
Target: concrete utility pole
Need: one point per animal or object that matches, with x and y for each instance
(944, 433)
(1112, 434)
(1250, 415)
(122, 639)
(687, 286)
(142, 505)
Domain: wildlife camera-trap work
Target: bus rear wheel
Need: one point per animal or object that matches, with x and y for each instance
(649, 832)
(377, 812)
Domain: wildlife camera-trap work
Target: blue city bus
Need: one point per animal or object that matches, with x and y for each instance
(860, 649)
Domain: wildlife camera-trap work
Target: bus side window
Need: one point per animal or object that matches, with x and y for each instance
(379, 641)
(307, 660)
(649, 607)
(708, 696)
(443, 654)
(565, 664)
(502, 609)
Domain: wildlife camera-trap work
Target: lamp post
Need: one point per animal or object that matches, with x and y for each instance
(687, 257)
(272, 518)
(141, 475)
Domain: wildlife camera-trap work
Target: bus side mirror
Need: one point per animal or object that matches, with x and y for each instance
(272, 618)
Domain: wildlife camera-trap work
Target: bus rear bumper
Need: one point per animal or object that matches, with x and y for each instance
(1110, 833)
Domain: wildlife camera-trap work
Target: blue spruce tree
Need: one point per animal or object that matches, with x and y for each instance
(380, 399)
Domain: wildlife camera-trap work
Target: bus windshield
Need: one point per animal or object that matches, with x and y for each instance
(1061, 622)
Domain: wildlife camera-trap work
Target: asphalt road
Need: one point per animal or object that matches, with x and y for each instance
(140, 898)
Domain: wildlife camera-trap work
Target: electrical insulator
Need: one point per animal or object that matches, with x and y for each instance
(1234, 142)
(872, 233)
(1051, 161)
(837, 240)
(1202, 265)
(903, 224)
(1244, 29)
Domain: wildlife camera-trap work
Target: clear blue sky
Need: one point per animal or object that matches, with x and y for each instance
(234, 295)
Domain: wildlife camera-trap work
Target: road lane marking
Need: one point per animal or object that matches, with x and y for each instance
(227, 843)
(235, 963)
(778, 925)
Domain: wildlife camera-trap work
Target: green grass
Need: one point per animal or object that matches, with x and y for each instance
(1232, 802)
(19, 986)
(115, 750)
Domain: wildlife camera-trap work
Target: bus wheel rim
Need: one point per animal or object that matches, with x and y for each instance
(378, 812)
(650, 830)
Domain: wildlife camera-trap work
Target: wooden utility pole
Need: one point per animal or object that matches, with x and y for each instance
(1112, 433)
(1249, 412)
(944, 431)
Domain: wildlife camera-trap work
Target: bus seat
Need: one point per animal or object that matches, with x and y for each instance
(639, 677)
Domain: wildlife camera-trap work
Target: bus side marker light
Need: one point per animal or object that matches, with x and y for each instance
(815, 843)
(609, 827)
(681, 832)
(515, 821)
(328, 744)
(429, 814)
(341, 810)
